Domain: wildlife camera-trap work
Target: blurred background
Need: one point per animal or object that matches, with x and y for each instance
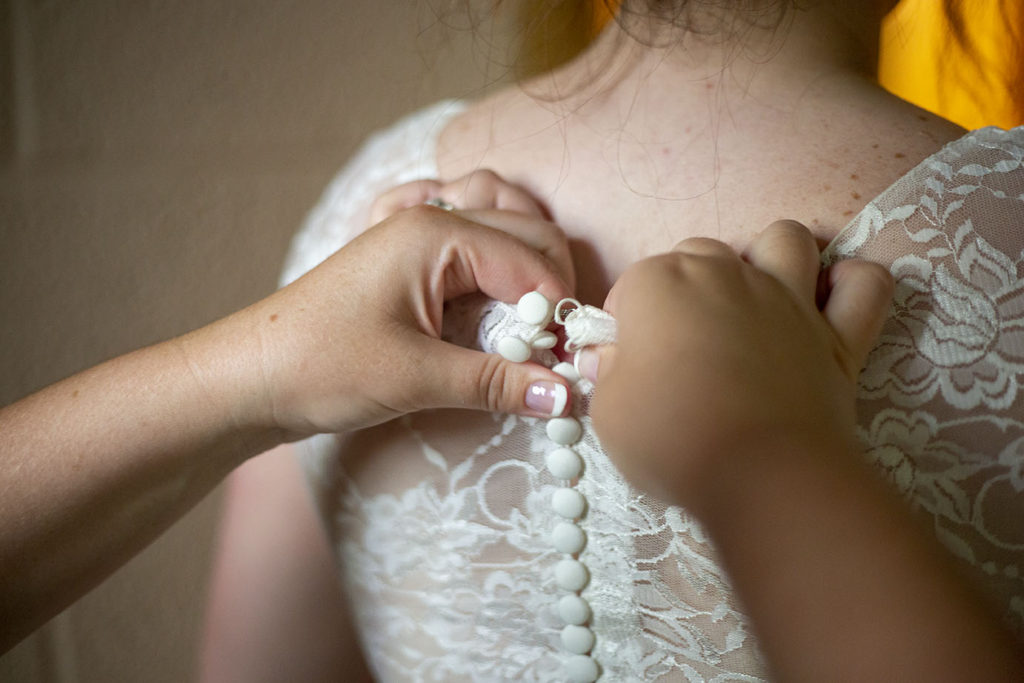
(156, 157)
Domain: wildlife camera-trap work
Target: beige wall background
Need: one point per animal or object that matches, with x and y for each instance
(155, 158)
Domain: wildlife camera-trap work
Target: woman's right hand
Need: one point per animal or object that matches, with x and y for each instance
(721, 358)
(357, 340)
(477, 191)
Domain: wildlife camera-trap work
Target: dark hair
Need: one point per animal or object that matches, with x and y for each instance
(703, 17)
(539, 35)
(555, 31)
(524, 38)
(552, 32)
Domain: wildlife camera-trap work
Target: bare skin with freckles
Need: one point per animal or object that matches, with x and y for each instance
(691, 140)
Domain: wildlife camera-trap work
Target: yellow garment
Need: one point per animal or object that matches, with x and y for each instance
(972, 78)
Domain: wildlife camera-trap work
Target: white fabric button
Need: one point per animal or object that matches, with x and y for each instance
(578, 640)
(567, 371)
(564, 430)
(568, 538)
(534, 308)
(514, 349)
(574, 610)
(564, 463)
(544, 340)
(568, 503)
(581, 669)
(571, 575)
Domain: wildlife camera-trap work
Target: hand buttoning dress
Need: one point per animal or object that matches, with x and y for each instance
(441, 520)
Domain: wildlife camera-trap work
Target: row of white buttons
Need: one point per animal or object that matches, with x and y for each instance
(565, 464)
(571, 574)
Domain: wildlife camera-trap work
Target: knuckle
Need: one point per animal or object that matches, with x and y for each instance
(485, 175)
(695, 242)
(514, 198)
(492, 383)
(647, 276)
(646, 267)
(379, 209)
(787, 227)
(783, 237)
(787, 240)
(703, 246)
(424, 225)
(421, 216)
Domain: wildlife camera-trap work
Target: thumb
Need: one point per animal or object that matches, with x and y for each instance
(594, 361)
(462, 378)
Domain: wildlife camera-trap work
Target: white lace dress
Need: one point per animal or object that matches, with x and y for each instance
(441, 520)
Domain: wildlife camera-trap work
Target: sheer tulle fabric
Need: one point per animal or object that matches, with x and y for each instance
(441, 519)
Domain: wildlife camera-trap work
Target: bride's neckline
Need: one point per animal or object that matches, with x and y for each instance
(676, 149)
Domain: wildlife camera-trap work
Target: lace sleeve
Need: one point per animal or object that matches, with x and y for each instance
(940, 409)
(403, 152)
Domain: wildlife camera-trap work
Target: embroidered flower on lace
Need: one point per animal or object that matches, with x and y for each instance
(1012, 457)
(907, 447)
(957, 326)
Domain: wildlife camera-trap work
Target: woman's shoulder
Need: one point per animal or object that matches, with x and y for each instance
(988, 158)
(1004, 148)
(970, 189)
(404, 150)
(501, 129)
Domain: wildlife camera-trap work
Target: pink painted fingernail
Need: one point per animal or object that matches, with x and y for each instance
(586, 362)
(547, 398)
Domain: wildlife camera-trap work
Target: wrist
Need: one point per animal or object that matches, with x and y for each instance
(224, 365)
(776, 466)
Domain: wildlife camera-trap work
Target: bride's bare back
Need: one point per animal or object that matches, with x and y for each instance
(692, 140)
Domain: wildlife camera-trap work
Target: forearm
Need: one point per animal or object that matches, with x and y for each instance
(840, 582)
(96, 466)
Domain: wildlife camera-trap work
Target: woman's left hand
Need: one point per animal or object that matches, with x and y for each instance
(731, 358)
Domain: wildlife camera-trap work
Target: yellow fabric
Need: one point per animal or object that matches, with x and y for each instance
(604, 11)
(974, 82)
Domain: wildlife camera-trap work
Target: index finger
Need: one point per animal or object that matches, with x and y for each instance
(704, 246)
(787, 251)
(503, 259)
(541, 235)
(692, 246)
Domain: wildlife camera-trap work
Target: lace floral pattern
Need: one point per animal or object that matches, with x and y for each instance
(941, 413)
(441, 519)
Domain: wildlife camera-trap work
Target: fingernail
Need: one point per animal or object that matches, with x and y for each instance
(547, 398)
(586, 362)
